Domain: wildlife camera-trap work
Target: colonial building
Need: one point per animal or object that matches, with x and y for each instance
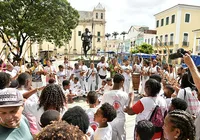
(175, 28)
(95, 22)
(196, 45)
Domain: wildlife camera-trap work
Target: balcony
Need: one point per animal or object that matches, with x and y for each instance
(186, 44)
(171, 43)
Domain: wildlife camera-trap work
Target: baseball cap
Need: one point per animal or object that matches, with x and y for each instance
(10, 97)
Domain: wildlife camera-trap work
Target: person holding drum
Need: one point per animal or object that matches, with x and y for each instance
(136, 75)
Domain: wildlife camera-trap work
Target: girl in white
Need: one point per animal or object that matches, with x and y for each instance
(102, 70)
(61, 75)
(91, 76)
(126, 73)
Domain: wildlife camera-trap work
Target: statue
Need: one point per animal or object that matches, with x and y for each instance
(86, 37)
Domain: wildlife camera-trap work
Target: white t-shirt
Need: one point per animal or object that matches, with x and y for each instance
(33, 98)
(32, 108)
(172, 75)
(84, 68)
(76, 73)
(101, 71)
(103, 133)
(148, 105)
(154, 70)
(137, 68)
(90, 112)
(117, 98)
(60, 75)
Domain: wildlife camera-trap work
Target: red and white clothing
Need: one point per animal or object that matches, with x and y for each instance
(119, 99)
(145, 106)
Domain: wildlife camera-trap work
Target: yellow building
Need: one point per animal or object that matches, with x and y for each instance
(175, 28)
(95, 22)
(196, 45)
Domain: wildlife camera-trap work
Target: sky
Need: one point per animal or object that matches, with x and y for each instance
(122, 14)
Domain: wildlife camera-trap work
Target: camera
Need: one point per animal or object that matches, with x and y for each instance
(179, 54)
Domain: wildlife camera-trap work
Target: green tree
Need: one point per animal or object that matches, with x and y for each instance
(37, 20)
(123, 34)
(107, 35)
(143, 48)
(115, 34)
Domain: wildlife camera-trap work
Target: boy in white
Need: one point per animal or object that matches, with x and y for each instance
(67, 68)
(92, 100)
(61, 74)
(91, 76)
(126, 73)
(109, 85)
(106, 113)
(119, 99)
(75, 87)
(102, 70)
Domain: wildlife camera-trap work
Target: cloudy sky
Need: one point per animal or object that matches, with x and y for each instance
(122, 14)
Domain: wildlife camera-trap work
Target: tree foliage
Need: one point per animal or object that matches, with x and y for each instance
(143, 48)
(115, 34)
(37, 20)
(107, 35)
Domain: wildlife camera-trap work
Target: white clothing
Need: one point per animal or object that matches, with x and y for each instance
(154, 70)
(90, 112)
(107, 88)
(76, 88)
(127, 77)
(91, 79)
(49, 70)
(191, 99)
(33, 98)
(168, 101)
(119, 99)
(103, 133)
(101, 72)
(82, 79)
(101, 66)
(196, 123)
(32, 108)
(172, 75)
(137, 68)
(149, 104)
(12, 73)
(144, 79)
(61, 76)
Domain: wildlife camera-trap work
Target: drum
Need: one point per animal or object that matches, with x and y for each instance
(136, 81)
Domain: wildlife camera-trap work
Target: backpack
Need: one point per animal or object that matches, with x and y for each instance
(157, 119)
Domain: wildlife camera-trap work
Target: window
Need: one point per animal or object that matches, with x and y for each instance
(173, 18)
(157, 23)
(79, 33)
(98, 34)
(101, 15)
(98, 40)
(187, 17)
(161, 38)
(167, 20)
(96, 15)
(171, 50)
(165, 51)
(145, 40)
(148, 41)
(171, 39)
(151, 41)
(155, 51)
(185, 37)
(162, 22)
(166, 39)
(160, 52)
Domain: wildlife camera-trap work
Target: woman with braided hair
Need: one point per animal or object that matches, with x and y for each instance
(178, 125)
(52, 98)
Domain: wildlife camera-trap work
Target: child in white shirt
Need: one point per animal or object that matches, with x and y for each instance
(106, 113)
(92, 100)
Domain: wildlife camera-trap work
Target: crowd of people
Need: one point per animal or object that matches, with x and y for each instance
(34, 100)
